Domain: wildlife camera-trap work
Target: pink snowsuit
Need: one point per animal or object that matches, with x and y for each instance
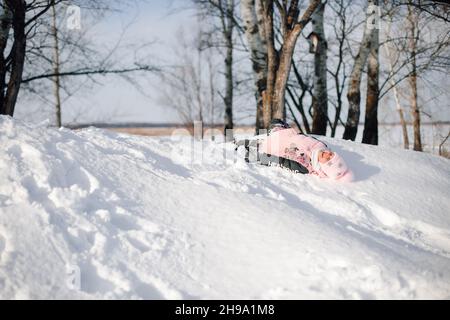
(287, 143)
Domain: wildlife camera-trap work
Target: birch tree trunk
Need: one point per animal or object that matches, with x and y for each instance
(212, 90)
(252, 16)
(354, 91)
(370, 134)
(320, 100)
(228, 34)
(56, 65)
(262, 33)
(412, 79)
(402, 120)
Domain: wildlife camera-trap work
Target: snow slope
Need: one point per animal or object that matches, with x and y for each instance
(139, 217)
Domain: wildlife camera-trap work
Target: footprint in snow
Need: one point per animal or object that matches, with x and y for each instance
(424, 235)
(124, 222)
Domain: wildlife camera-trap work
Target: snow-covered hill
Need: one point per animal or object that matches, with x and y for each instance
(139, 217)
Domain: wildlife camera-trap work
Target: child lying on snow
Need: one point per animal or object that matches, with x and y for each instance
(298, 152)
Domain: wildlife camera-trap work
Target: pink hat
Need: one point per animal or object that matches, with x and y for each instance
(336, 169)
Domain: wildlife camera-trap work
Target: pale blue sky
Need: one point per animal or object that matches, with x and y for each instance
(154, 20)
(116, 100)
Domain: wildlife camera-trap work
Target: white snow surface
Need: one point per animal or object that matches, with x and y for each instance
(141, 218)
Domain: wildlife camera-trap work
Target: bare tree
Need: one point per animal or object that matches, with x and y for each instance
(12, 62)
(56, 64)
(224, 11)
(436, 9)
(339, 50)
(419, 49)
(279, 61)
(320, 97)
(370, 134)
(40, 51)
(442, 151)
(184, 87)
(354, 91)
(390, 57)
(412, 79)
(251, 12)
(227, 19)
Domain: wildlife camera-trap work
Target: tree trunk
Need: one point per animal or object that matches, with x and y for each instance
(272, 63)
(282, 74)
(412, 79)
(354, 91)
(56, 65)
(5, 27)
(341, 38)
(212, 91)
(415, 113)
(320, 101)
(258, 53)
(197, 73)
(18, 9)
(279, 61)
(370, 134)
(229, 68)
(287, 50)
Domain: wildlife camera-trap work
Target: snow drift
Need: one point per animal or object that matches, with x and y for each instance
(95, 214)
